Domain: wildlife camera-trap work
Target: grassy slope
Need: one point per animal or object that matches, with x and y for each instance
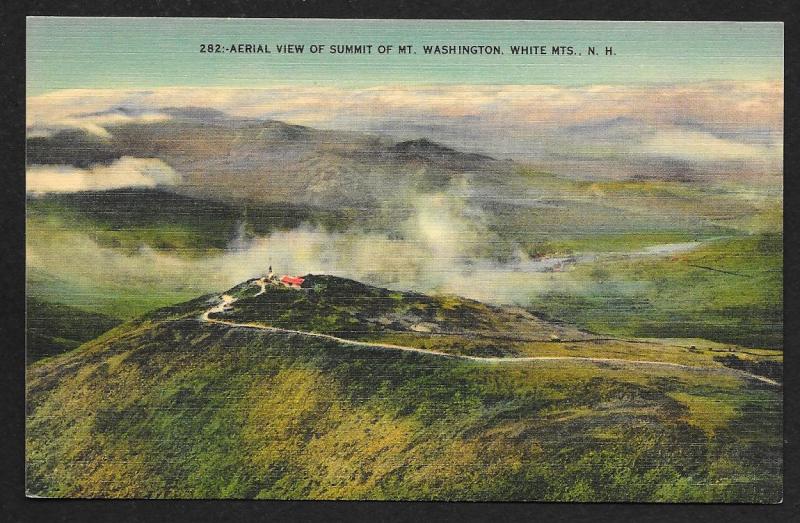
(351, 309)
(672, 297)
(114, 298)
(552, 214)
(574, 216)
(166, 406)
(126, 219)
(681, 296)
(55, 328)
(451, 324)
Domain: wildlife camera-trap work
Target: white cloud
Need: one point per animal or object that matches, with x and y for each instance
(729, 103)
(125, 172)
(90, 110)
(528, 122)
(703, 147)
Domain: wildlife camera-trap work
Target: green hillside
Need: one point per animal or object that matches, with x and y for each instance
(729, 290)
(128, 219)
(169, 405)
(53, 328)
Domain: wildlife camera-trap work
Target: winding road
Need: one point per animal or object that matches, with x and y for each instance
(227, 301)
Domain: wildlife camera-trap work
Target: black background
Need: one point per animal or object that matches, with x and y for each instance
(15, 507)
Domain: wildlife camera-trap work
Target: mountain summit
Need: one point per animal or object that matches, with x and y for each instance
(341, 390)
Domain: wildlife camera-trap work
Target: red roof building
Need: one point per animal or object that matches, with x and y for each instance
(292, 281)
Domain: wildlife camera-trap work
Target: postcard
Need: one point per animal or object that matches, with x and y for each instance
(404, 260)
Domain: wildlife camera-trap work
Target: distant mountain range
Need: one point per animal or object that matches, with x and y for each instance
(269, 161)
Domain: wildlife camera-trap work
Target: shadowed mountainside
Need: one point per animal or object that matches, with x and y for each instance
(54, 328)
(266, 161)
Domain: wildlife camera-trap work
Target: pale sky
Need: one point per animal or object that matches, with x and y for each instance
(119, 53)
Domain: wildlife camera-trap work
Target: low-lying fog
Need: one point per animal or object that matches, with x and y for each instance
(437, 251)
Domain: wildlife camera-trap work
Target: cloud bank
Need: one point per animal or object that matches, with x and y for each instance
(698, 123)
(424, 262)
(125, 172)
